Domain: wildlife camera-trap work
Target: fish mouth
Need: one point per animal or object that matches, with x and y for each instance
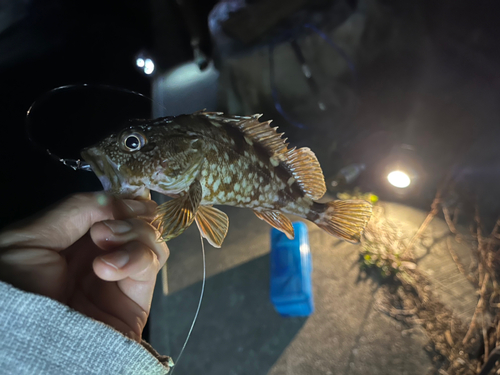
(107, 171)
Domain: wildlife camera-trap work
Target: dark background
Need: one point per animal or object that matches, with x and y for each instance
(59, 43)
(55, 42)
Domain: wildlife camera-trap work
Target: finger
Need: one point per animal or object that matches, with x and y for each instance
(134, 260)
(110, 300)
(135, 267)
(39, 271)
(109, 234)
(146, 194)
(127, 316)
(66, 222)
(128, 208)
(138, 286)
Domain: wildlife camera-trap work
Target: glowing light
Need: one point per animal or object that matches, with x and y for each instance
(140, 62)
(185, 74)
(399, 179)
(149, 66)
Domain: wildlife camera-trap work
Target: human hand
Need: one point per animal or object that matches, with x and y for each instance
(91, 252)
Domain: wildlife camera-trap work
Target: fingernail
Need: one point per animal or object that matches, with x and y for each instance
(137, 207)
(102, 199)
(118, 226)
(118, 259)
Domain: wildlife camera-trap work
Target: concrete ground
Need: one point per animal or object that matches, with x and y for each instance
(238, 331)
(434, 259)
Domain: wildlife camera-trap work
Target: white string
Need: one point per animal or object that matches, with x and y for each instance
(199, 305)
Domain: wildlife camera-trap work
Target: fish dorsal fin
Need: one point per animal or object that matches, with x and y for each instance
(176, 215)
(302, 163)
(277, 220)
(213, 225)
(307, 172)
(254, 131)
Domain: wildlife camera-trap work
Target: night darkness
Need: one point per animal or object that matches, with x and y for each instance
(60, 43)
(424, 100)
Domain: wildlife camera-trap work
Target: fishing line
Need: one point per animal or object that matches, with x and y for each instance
(199, 305)
(75, 164)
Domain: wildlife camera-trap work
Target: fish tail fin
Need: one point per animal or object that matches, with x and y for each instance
(345, 219)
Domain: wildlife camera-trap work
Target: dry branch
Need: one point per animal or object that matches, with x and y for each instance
(485, 338)
(449, 221)
(414, 303)
(479, 308)
(428, 219)
(459, 264)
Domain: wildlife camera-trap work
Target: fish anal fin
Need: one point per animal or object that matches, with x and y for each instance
(277, 220)
(344, 219)
(176, 215)
(213, 225)
(306, 170)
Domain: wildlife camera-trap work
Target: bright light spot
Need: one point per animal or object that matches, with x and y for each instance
(140, 62)
(185, 74)
(399, 179)
(149, 66)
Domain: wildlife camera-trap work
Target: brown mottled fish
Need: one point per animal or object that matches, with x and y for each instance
(207, 159)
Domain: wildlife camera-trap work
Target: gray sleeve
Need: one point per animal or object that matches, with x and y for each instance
(42, 336)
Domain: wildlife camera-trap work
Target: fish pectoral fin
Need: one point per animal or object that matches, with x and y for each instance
(213, 225)
(277, 220)
(176, 215)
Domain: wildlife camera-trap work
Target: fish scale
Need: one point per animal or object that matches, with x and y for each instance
(239, 182)
(207, 158)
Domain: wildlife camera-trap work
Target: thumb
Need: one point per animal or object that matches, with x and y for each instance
(63, 224)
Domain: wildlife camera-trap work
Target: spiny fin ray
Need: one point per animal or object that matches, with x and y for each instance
(257, 132)
(302, 162)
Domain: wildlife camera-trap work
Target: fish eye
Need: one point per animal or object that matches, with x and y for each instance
(133, 141)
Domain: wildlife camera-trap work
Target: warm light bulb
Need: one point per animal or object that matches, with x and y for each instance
(399, 179)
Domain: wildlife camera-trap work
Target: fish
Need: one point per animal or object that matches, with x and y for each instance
(208, 158)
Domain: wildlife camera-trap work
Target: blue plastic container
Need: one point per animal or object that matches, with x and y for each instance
(291, 271)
